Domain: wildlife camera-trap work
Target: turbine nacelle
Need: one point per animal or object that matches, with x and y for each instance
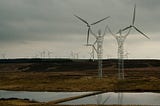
(89, 25)
(133, 24)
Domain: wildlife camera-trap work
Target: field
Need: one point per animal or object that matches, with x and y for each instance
(77, 75)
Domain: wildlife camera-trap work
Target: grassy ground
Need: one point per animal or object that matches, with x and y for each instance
(49, 81)
(40, 81)
(17, 102)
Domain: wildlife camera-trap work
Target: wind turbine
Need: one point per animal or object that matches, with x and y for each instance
(126, 54)
(133, 24)
(49, 53)
(93, 49)
(3, 56)
(120, 52)
(99, 41)
(99, 49)
(120, 41)
(89, 25)
(74, 55)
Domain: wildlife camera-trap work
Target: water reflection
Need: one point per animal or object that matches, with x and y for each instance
(38, 96)
(102, 99)
(146, 98)
(120, 99)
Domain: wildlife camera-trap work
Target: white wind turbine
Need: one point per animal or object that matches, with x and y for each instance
(99, 49)
(49, 53)
(89, 25)
(126, 54)
(98, 42)
(120, 41)
(92, 51)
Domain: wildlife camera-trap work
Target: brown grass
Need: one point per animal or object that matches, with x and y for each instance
(137, 79)
(49, 81)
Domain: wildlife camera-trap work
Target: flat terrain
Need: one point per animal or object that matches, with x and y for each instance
(78, 75)
(75, 75)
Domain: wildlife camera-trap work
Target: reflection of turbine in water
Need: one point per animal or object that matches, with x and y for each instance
(120, 98)
(100, 99)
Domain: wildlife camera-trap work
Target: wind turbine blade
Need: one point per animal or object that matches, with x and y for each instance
(82, 20)
(95, 42)
(110, 31)
(95, 48)
(87, 44)
(126, 28)
(100, 20)
(93, 33)
(93, 53)
(141, 32)
(105, 30)
(128, 31)
(88, 35)
(134, 15)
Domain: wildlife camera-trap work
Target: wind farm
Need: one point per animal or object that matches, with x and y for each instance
(44, 60)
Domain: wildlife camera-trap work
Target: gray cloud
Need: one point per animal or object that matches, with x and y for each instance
(53, 20)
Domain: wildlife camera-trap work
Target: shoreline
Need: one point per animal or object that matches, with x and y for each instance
(116, 91)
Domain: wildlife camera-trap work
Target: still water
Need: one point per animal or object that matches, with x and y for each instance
(146, 98)
(120, 98)
(38, 96)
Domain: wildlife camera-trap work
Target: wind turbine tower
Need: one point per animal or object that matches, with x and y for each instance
(99, 49)
(92, 53)
(120, 41)
(99, 42)
(120, 52)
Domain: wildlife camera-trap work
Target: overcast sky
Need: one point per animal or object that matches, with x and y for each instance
(28, 27)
